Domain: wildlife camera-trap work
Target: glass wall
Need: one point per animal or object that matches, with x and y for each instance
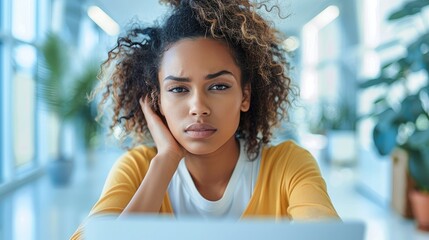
(27, 136)
(1, 104)
(23, 31)
(3, 21)
(24, 100)
(377, 37)
(24, 20)
(21, 22)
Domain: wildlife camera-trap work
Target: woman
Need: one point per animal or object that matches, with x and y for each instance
(207, 86)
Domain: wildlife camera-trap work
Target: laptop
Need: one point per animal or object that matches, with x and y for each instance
(140, 227)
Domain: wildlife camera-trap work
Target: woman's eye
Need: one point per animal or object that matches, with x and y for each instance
(177, 90)
(219, 87)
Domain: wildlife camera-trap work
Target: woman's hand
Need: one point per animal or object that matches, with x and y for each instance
(165, 142)
(149, 196)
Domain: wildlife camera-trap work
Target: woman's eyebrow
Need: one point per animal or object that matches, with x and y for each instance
(179, 79)
(215, 75)
(208, 77)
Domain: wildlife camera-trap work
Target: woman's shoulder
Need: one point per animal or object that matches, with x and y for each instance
(137, 158)
(285, 149)
(286, 154)
(141, 152)
(129, 170)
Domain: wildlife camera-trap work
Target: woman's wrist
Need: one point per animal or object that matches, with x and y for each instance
(167, 161)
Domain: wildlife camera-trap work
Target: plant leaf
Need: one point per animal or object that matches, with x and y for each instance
(419, 140)
(385, 132)
(408, 9)
(84, 83)
(52, 72)
(376, 81)
(411, 108)
(418, 166)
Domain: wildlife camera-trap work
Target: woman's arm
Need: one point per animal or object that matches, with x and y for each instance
(150, 194)
(139, 180)
(121, 184)
(307, 191)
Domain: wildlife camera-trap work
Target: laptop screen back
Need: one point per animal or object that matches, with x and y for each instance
(156, 227)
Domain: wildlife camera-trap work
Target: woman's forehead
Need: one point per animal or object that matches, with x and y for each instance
(198, 54)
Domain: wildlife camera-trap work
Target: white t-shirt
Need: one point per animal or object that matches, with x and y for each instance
(187, 201)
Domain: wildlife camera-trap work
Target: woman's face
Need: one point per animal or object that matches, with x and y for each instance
(201, 96)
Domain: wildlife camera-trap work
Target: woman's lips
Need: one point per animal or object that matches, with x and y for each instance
(200, 130)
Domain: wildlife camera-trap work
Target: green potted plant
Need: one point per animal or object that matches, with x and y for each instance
(66, 101)
(406, 125)
(336, 123)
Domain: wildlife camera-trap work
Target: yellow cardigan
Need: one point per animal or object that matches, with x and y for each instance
(289, 185)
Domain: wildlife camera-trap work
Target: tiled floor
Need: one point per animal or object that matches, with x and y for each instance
(39, 211)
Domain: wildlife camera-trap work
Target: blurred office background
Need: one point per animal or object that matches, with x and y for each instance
(50, 48)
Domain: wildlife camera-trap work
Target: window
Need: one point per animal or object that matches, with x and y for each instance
(22, 84)
(20, 24)
(1, 106)
(23, 104)
(2, 79)
(321, 73)
(373, 173)
(24, 20)
(1, 17)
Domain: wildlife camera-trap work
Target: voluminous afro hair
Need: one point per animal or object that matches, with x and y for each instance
(131, 69)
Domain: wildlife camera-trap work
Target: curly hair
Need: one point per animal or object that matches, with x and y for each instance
(256, 46)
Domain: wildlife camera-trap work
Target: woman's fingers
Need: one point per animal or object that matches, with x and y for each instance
(164, 140)
(154, 122)
(150, 116)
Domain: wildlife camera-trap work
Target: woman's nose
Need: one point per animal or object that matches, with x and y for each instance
(199, 105)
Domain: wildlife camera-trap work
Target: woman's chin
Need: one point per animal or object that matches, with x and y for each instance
(198, 151)
(200, 148)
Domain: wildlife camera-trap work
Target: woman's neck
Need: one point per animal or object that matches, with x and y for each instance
(211, 173)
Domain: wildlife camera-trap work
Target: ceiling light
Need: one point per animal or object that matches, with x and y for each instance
(103, 20)
(290, 44)
(325, 17)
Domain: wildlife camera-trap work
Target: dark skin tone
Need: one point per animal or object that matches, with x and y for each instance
(201, 99)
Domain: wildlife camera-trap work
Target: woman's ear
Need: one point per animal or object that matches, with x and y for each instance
(245, 103)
